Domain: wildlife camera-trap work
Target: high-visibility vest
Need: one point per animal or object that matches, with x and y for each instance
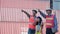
(31, 20)
(49, 21)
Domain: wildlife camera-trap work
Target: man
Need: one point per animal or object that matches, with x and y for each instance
(32, 24)
(51, 21)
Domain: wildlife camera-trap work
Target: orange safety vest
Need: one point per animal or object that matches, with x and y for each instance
(31, 20)
(49, 21)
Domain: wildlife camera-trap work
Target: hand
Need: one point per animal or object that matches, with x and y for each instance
(39, 10)
(22, 10)
(56, 31)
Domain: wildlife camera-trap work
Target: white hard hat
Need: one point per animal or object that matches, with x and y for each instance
(49, 9)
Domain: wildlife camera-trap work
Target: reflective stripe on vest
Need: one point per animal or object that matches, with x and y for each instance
(49, 21)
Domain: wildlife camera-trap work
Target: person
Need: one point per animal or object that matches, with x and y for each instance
(39, 25)
(51, 21)
(32, 24)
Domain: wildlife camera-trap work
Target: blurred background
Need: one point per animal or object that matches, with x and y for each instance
(13, 21)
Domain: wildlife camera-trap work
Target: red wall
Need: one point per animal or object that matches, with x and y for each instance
(11, 11)
(24, 4)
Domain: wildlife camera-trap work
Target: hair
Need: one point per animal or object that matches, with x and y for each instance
(35, 11)
(40, 20)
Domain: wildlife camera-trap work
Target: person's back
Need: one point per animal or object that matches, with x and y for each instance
(39, 25)
(32, 21)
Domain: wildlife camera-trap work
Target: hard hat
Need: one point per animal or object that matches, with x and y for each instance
(49, 9)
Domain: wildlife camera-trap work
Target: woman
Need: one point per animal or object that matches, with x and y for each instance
(39, 25)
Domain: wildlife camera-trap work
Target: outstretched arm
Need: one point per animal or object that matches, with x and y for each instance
(42, 13)
(26, 13)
